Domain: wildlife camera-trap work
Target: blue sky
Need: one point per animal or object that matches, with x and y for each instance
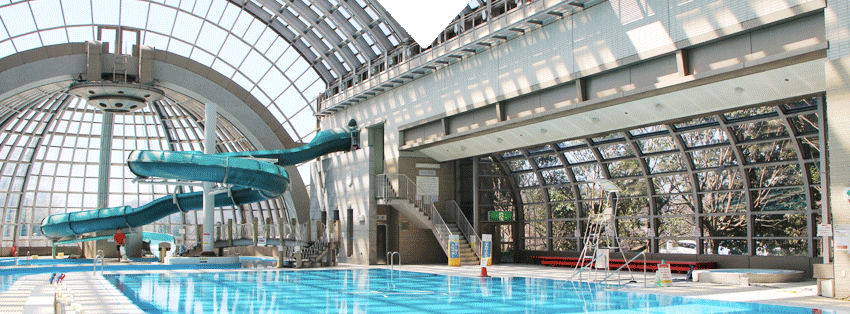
(424, 20)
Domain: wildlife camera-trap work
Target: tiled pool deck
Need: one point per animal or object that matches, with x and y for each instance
(33, 293)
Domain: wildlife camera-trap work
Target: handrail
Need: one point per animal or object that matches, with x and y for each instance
(452, 209)
(440, 229)
(408, 190)
(391, 260)
(94, 264)
(617, 271)
(588, 265)
(28, 258)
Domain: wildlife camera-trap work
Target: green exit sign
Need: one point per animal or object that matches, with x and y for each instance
(501, 215)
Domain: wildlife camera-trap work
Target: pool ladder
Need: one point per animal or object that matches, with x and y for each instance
(94, 267)
(391, 259)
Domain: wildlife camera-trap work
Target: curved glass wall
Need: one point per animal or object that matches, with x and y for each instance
(741, 182)
(50, 147)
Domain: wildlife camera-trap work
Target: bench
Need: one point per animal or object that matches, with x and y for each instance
(636, 265)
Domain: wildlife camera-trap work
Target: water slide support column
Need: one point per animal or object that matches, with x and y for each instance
(106, 135)
(209, 198)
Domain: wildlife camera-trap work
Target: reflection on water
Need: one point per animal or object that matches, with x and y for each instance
(6, 281)
(385, 291)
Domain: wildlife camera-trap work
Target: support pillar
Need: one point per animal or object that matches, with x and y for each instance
(106, 134)
(209, 198)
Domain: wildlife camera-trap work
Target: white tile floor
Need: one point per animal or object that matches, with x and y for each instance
(33, 293)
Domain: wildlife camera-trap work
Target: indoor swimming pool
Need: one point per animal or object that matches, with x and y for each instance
(392, 291)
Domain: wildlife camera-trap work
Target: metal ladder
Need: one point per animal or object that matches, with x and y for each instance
(391, 259)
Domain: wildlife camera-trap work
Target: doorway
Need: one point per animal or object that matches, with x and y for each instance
(381, 242)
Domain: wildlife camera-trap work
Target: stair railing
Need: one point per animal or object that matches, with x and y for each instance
(454, 213)
(398, 186)
(440, 229)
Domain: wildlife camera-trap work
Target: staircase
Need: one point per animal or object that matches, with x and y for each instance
(467, 254)
(398, 191)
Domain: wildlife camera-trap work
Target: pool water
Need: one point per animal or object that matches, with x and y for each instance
(389, 291)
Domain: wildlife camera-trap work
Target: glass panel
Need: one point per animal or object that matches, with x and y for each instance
(572, 143)
(810, 103)
(805, 123)
(564, 245)
(713, 158)
(625, 168)
(778, 199)
(725, 247)
(629, 207)
(656, 144)
(532, 196)
(724, 202)
(665, 163)
(564, 229)
(534, 211)
(704, 137)
(555, 176)
(527, 179)
(547, 161)
(636, 187)
(781, 225)
(759, 130)
(782, 175)
(561, 194)
(563, 210)
(696, 122)
(674, 205)
(720, 180)
(680, 246)
(616, 151)
(512, 153)
(579, 156)
(677, 227)
(677, 183)
(750, 112)
(547, 148)
(587, 172)
(518, 165)
(535, 244)
(768, 152)
(612, 136)
(648, 129)
(795, 247)
(493, 183)
(809, 147)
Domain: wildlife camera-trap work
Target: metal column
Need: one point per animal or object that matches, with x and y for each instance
(209, 198)
(105, 159)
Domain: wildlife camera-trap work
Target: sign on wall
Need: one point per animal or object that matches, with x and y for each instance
(500, 215)
(428, 186)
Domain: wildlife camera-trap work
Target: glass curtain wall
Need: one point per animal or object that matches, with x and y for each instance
(743, 182)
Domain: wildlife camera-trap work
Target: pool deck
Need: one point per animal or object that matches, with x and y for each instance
(33, 293)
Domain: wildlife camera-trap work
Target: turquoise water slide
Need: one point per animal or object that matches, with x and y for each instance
(251, 180)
